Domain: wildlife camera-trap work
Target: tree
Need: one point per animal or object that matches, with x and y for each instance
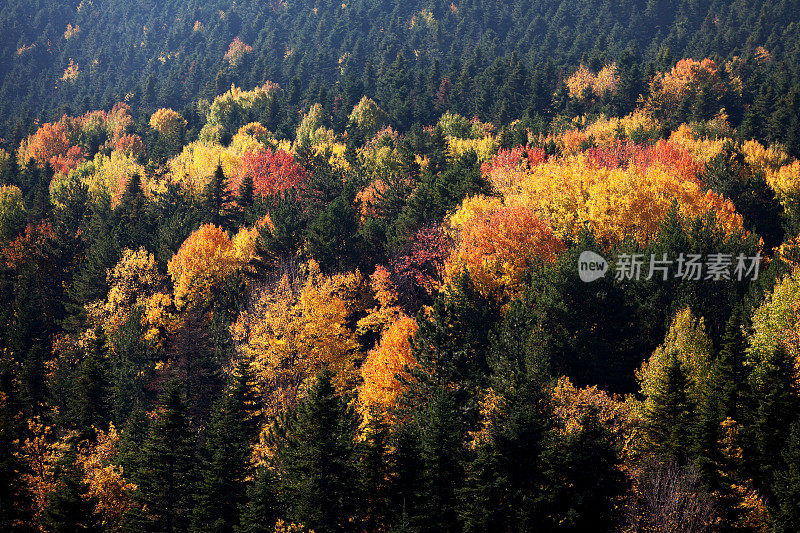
(67, 510)
(217, 200)
(314, 452)
(226, 463)
(670, 413)
(167, 475)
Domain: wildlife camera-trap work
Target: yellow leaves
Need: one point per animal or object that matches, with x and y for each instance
(295, 328)
(195, 165)
(484, 147)
(111, 174)
(230, 111)
(615, 201)
(603, 82)
(571, 403)
(134, 284)
(787, 179)
(687, 341)
(367, 116)
(71, 73)
(105, 478)
(203, 262)
(776, 322)
(763, 160)
(71, 31)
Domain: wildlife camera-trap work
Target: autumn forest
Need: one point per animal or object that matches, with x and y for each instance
(293, 266)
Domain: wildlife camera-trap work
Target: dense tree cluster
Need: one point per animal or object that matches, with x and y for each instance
(223, 319)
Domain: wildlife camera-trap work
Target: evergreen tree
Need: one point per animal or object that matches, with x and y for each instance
(261, 511)
(776, 406)
(315, 456)
(166, 477)
(67, 510)
(586, 483)
(787, 485)
(217, 200)
(670, 414)
(226, 465)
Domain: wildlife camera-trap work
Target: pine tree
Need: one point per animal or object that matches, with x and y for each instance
(776, 406)
(166, 477)
(670, 414)
(787, 485)
(586, 484)
(261, 511)
(67, 510)
(373, 467)
(217, 200)
(315, 458)
(226, 465)
(723, 397)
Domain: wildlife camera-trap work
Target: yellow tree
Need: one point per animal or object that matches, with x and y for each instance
(170, 126)
(203, 262)
(295, 328)
(105, 478)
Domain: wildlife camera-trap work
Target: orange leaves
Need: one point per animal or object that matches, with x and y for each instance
(204, 260)
(105, 478)
(272, 172)
(50, 141)
(387, 364)
(498, 244)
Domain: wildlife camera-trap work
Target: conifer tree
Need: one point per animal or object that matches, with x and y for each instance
(166, 477)
(671, 414)
(217, 200)
(226, 462)
(261, 511)
(67, 510)
(315, 456)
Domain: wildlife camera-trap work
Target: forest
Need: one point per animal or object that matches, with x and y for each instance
(291, 267)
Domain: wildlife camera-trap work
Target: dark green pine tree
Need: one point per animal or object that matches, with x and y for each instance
(261, 511)
(373, 465)
(222, 489)
(246, 200)
(67, 509)
(217, 200)
(723, 396)
(281, 244)
(786, 516)
(315, 456)
(670, 415)
(15, 499)
(333, 235)
(776, 407)
(133, 228)
(90, 402)
(586, 485)
(442, 454)
(167, 471)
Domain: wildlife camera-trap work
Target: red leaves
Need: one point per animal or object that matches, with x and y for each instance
(626, 154)
(30, 247)
(512, 159)
(273, 173)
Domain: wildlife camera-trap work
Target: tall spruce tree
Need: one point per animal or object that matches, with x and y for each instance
(167, 474)
(315, 455)
(222, 490)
